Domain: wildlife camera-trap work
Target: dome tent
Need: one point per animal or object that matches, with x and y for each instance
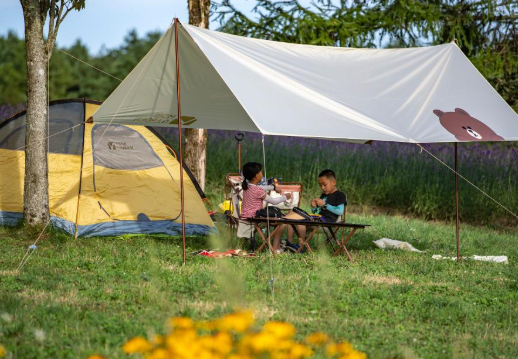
(104, 180)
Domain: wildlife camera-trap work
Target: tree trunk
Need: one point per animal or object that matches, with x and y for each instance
(36, 195)
(196, 139)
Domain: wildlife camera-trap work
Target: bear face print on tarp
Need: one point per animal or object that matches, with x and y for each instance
(466, 128)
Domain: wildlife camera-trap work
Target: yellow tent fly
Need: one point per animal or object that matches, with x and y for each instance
(104, 180)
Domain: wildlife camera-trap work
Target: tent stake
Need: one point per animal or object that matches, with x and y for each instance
(457, 225)
(179, 134)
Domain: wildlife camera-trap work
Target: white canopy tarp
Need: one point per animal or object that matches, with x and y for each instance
(425, 94)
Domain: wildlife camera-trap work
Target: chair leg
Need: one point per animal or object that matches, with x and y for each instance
(267, 241)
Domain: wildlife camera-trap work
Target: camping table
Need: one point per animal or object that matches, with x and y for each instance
(277, 222)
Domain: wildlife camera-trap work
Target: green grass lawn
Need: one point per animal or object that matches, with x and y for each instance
(75, 298)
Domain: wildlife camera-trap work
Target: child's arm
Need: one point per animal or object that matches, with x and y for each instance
(268, 199)
(275, 200)
(338, 210)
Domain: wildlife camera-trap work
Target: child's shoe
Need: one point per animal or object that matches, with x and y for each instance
(292, 247)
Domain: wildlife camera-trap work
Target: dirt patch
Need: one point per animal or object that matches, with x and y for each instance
(378, 279)
(9, 273)
(41, 296)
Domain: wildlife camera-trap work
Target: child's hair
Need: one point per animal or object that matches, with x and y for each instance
(328, 174)
(250, 170)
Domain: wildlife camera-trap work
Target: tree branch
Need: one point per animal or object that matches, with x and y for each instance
(52, 13)
(69, 6)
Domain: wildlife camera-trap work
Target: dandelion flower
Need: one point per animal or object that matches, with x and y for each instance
(2, 351)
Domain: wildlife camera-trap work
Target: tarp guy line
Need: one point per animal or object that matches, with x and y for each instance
(66, 53)
(26, 257)
(125, 97)
(465, 179)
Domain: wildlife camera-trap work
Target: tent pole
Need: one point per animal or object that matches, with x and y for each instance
(457, 224)
(179, 134)
(80, 174)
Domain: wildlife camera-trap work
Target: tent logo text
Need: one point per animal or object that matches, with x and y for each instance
(119, 146)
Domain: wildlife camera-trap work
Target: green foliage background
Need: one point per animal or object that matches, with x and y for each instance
(486, 30)
(69, 78)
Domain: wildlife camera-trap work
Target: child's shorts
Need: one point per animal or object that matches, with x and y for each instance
(245, 229)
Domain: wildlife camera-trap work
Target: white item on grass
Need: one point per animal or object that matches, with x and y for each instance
(496, 259)
(387, 243)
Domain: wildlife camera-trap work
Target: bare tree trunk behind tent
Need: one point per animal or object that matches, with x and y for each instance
(39, 51)
(196, 139)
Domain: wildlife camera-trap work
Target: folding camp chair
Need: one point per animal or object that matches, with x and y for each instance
(330, 237)
(234, 194)
(294, 188)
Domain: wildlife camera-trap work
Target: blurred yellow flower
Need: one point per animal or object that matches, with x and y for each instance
(159, 353)
(205, 325)
(238, 322)
(355, 355)
(2, 351)
(137, 345)
(158, 340)
(232, 337)
(299, 351)
(344, 350)
(96, 356)
(279, 329)
(257, 343)
(239, 356)
(181, 323)
(317, 338)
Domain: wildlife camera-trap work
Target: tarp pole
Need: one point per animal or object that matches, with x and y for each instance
(80, 172)
(457, 225)
(179, 134)
(239, 137)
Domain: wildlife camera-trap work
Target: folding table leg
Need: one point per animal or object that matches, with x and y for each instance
(305, 243)
(329, 237)
(343, 245)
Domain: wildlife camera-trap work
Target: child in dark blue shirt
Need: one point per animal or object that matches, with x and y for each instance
(330, 206)
(332, 202)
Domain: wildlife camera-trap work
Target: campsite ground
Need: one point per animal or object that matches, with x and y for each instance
(75, 298)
